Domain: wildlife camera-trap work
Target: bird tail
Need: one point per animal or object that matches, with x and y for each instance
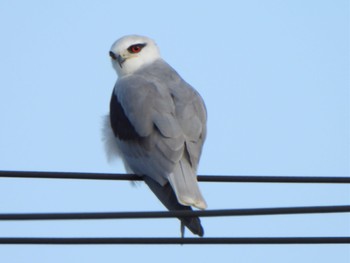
(184, 182)
(167, 196)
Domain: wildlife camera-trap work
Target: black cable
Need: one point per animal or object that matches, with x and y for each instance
(171, 214)
(170, 241)
(129, 215)
(202, 178)
(69, 175)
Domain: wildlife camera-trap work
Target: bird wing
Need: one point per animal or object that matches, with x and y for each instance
(149, 138)
(191, 115)
(164, 130)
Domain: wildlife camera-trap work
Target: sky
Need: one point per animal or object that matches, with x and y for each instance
(275, 79)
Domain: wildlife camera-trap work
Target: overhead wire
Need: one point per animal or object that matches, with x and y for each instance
(201, 178)
(172, 214)
(173, 241)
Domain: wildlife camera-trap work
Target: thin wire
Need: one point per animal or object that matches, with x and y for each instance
(170, 241)
(202, 178)
(171, 214)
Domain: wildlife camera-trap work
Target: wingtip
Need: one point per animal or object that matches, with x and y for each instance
(187, 201)
(201, 205)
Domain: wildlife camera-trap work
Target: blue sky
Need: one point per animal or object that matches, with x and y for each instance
(275, 79)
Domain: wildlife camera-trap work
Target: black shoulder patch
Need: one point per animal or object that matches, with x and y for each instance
(121, 126)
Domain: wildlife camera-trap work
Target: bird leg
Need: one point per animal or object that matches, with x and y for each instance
(182, 229)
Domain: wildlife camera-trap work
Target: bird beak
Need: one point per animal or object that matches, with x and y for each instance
(120, 60)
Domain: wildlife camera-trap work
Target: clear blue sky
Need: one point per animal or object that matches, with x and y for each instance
(275, 79)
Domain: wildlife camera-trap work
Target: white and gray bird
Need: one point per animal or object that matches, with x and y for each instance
(158, 125)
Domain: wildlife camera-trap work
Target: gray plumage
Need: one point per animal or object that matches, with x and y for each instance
(159, 124)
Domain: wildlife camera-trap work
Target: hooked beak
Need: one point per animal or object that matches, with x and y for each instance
(118, 58)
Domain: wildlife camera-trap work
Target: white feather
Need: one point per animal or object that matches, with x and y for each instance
(109, 140)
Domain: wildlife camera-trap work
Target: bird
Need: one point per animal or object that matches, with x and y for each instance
(157, 125)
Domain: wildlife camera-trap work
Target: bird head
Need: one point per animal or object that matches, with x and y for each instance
(131, 52)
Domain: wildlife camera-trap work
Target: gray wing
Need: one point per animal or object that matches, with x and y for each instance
(150, 111)
(170, 118)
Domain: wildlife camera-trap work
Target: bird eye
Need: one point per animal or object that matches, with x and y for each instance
(136, 48)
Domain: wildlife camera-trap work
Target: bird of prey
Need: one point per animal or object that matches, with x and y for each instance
(158, 124)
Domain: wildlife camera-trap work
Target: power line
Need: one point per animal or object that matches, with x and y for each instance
(202, 178)
(172, 214)
(170, 241)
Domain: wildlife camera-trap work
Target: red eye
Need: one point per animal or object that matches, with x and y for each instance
(136, 48)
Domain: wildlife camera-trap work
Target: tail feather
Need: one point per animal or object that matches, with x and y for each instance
(184, 182)
(167, 196)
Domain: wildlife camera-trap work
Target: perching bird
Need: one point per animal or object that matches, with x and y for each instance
(159, 125)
